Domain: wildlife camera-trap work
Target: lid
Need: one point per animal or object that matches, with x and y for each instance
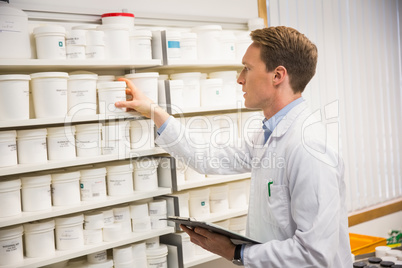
(141, 33)
(106, 264)
(188, 35)
(374, 260)
(110, 78)
(83, 77)
(6, 77)
(93, 172)
(66, 130)
(223, 74)
(93, 220)
(117, 15)
(71, 219)
(212, 82)
(39, 226)
(89, 127)
(142, 75)
(186, 75)
(228, 35)
(111, 84)
(8, 134)
(145, 163)
(9, 184)
(154, 252)
(49, 28)
(173, 35)
(106, 27)
(9, 232)
(176, 84)
(31, 133)
(384, 264)
(49, 75)
(207, 28)
(36, 180)
(9, 10)
(120, 168)
(65, 176)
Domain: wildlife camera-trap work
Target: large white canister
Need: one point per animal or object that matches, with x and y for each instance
(208, 41)
(81, 94)
(243, 41)
(188, 46)
(120, 179)
(140, 253)
(116, 138)
(199, 202)
(108, 94)
(49, 92)
(8, 148)
(173, 39)
(14, 96)
(238, 195)
(50, 41)
(211, 92)
(69, 232)
(122, 217)
(228, 45)
(145, 174)
(61, 143)
(14, 33)
(219, 198)
(36, 193)
(158, 211)
(119, 18)
(31, 146)
(88, 139)
(157, 258)
(11, 248)
(10, 197)
(176, 95)
(141, 222)
(66, 188)
(229, 88)
(147, 83)
(93, 184)
(39, 239)
(142, 134)
(191, 88)
(117, 41)
(140, 45)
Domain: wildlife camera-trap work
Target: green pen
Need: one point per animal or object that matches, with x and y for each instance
(269, 187)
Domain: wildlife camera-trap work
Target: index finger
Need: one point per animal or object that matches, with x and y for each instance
(129, 83)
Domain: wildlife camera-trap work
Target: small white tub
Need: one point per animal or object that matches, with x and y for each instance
(243, 41)
(32, 146)
(122, 216)
(95, 38)
(88, 139)
(97, 257)
(70, 232)
(93, 184)
(138, 211)
(157, 258)
(219, 198)
(36, 193)
(109, 93)
(81, 94)
(208, 41)
(61, 143)
(152, 243)
(50, 42)
(140, 253)
(93, 237)
(188, 46)
(140, 225)
(228, 45)
(66, 188)
(93, 220)
(117, 41)
(238, 195)
(10, 198)
(95, 52)
(49, 92)
(122, 255)
(8, 148)
(14, 97)
(140, 45)
(11, 249)
(39, 239)
(113, 232)
(120, 179)
(158, 211)
(108, 216)
(176, 95)
(119, 18)
(199, 202)
(142, 134)
(229, 88)
(74, 52)
(76, 37)
(211, 92)
(191, 88)
(147, 83)
(173, 39)
(145, 175)
(116, 138)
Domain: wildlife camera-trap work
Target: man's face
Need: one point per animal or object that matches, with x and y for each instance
(256, 81)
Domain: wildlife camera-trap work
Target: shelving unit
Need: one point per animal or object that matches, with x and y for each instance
(212, 181)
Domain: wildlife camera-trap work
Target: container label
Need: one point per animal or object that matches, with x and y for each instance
(10, 246)
(173, 44)
(11, 26)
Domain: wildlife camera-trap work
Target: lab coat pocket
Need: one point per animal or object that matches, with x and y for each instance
(277, 210)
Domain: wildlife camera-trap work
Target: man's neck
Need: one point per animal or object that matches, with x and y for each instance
(278, 104)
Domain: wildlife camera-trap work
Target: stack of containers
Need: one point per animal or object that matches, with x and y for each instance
(120, 179)
(10, 198)
(141, 222)
(158, 211)
(122, 217)
(93, 225)
(75, 44)
(14, 97)
(50, 41)
(191, 88)
(123, 257)
(8, 148)
(142, 134)
(95, 45)
(66, 188)
(39, 238)
(69, 232)
(145, 175)
(157, 257)
(61, 143)
(108, 216)
(81, 94)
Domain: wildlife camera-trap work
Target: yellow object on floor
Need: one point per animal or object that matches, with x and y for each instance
(361, 244)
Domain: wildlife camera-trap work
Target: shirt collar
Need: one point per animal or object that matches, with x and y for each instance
(272, 122)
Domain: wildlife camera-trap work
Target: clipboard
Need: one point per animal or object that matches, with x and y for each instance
(191, 223)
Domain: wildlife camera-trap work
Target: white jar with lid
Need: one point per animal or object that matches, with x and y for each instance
(109, 93)
(176, 88)
(14, 96)
(61, 143)
(145, 175)
(88, 139)
(39, 238)
(147, 83)
(93, 184)
(122, 217)
(120, 179)
(97, 257)
(157, 258)
(93, 224)
(142, 134)
(10, 197)
(211, 92)
(122, 256)
(140, 220)
(14, 33)
(140, 253)
(8, 148)
(199, 202)
(116, 138)
(191, 88)
(228, 45)
(140, 45)
(50, 41)
(49, 92)
(188, 46)
(173, 39)
(119, 18)
(66, 188)
(219, 198)
(208, 41)
(81, 94)
(243, 41)
(76, 37)
(95, 48)
(117, 41)
(229, 88)
(11, 248)
(158, 211)
(75, 52)
(69, 232)
(32, 146)
(36, 193)
(238, 195)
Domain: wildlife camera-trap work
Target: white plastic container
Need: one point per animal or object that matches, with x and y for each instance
(228, 45)
(74, 52)
(95, 38)
(120, 179)
(31, 146)
(243, 41)
(93, 184)
(97, 257)
(95, 52)
(8, 148)
(188, 46)
(119, 18)
(88, 139)
(191, 88)
(211, 92)
(208, 41)
(140, 45)
(122, 255)
(61, 143)
(199, 202)
(229, 88)
(66, 189)
(14, 33)
(93, 237)
(69, 232)
(142, 134)
(140, 254)
(173, 39)
(95, 48)
(138, 211)
(238, 195)
(176, 94)
(116, 138)
(157, 258)
(117, 41)
(49, 92)
(147, 83)
(113, 232)
(219, 198)
(122, 217)
(93, 220)
(76, 37)
(11, 249)
(152, 243)
(10, 198)
(381, 251)
(145, 175)
(81, 94)
(162, 90)
(39, 239)
(50, 42)
(109, 93)
(36, 193)
(108, 216)
(158, 211)
(14, 96)
(140, 225)
(184, 197)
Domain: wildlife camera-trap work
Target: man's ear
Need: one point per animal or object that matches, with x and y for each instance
(280, 73)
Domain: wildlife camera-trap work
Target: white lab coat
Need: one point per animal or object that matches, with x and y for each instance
(303, 223)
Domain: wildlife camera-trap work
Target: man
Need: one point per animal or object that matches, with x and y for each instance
(297, 208)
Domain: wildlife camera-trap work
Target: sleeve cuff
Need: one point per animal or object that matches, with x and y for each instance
(162, 128)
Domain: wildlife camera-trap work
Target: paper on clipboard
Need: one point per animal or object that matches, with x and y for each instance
(234, 237)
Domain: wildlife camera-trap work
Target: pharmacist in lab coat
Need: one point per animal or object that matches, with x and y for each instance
(297, 202)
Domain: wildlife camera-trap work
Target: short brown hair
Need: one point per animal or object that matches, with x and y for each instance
(285, 46)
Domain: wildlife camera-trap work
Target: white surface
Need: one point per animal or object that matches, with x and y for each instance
(379, 227)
